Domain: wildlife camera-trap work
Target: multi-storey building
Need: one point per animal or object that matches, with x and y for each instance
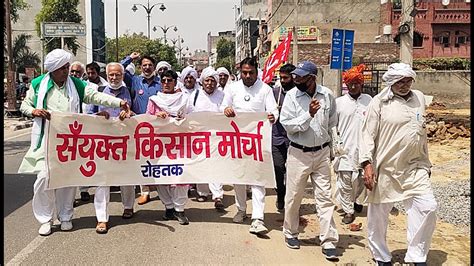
(442, 27)
(212, 43)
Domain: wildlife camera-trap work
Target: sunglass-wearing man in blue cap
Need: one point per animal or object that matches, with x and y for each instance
(307, 114)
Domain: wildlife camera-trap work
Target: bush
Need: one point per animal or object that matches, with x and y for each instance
(442, 64)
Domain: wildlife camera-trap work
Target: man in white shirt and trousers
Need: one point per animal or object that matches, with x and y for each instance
(394, 154)
(250, 95)
(308, 113)
(208, 99)
(351, 111)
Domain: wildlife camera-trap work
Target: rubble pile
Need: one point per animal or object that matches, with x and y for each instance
(446, 128)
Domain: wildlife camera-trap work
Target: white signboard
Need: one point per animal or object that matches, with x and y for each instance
(87, 150)
(63, 29)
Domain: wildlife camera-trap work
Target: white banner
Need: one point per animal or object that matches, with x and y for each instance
(86, 150)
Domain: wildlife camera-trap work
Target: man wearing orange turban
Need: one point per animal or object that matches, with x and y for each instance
(351, 110)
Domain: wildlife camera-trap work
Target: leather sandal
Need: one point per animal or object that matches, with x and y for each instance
(127, 213)
(101, 228)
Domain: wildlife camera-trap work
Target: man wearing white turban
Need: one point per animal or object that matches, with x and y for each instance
(208, 99)
(223, 77)
(394, 155)
(161, 67)
(58, 92)
(189, 77)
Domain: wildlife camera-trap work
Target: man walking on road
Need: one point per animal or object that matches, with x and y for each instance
(115, 73)
(351, 111)
(394, 154)
(250, 95)
(58, 92)
(307, 114)
(280, 140)
(142, 87)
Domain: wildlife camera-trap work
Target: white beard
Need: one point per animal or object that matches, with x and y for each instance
(115, 86)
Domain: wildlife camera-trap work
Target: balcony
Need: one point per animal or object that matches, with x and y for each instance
(452, 16)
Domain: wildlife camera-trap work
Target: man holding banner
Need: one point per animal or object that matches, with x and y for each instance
(115, 72)
(55, 91)
(250, 95)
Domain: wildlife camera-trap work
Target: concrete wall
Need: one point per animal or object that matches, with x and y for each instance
(451, 88)
(26, 24)
(363, 16)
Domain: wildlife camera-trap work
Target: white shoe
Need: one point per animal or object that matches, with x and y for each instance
(258, 227)
(45, 229)
(66, 226)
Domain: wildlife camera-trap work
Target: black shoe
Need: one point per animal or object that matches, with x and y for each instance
(348, 218)
(85, 196)
(114, 189)
(280, 206)
(420, 264)
(292, 243)
(182, 219)
(358, 208)
(330, 253)
(169, 215)
(383, 263)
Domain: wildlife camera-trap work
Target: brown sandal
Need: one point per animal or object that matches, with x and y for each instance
(101, 228)
(127, 213)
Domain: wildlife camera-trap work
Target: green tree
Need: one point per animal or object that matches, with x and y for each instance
(226, 54)
(59, 11)
(23, 56)
(129, 43)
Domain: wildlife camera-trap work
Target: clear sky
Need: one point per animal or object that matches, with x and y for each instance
(194, 19)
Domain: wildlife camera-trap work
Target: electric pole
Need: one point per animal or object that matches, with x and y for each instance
(295, 35)
(11, 96)
(406, 33)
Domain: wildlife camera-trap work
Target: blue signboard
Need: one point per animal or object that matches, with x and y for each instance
(348, 49)
(336, 48)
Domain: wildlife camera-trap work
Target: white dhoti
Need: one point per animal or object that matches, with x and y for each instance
(215, 189)
(300, 166)
(258, 200)
(349, 185)
(44, 201)
(102, 199)
(173, 196)
(421, 222)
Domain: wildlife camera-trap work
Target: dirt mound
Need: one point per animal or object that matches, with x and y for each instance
(442, 125)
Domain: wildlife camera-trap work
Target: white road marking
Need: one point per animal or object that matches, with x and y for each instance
(23, 254)
(17, 136)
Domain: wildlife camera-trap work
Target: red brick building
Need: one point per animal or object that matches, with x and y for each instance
(442, 28)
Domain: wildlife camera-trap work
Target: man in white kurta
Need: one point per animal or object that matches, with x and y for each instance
(54, 92)
(188, 78)
(208, 99)
(351, 111)
(250, 95)
(307, 114)
(394, 154)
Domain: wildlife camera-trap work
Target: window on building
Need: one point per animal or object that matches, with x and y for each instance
(397, 4)
(444, 40)
(417, 39)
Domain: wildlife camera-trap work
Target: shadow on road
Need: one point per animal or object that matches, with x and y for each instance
(17, 190)
(12, 148)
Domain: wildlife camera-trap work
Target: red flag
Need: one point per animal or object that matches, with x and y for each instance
(279, 55)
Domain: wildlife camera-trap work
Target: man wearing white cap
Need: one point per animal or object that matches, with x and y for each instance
(223, 77)
(188, 78)
(394, 154)
(208, 99)
(58, 92)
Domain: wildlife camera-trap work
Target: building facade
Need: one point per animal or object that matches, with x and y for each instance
(212, 43)
(442, 28)
(92, 13)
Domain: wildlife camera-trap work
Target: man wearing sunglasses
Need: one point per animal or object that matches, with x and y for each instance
(307, 114)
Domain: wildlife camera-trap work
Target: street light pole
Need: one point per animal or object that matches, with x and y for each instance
(116, 32)
(148, 10)
(165, 30)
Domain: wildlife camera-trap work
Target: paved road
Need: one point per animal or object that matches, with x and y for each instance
(210, 238)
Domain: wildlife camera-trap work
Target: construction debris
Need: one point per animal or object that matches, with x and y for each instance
(442, 128)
